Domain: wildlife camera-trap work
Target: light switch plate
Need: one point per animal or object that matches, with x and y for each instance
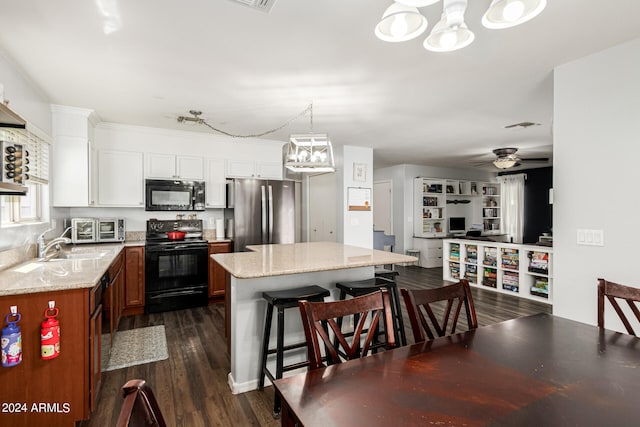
(590, 237)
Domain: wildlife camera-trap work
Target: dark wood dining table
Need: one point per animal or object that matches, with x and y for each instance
(539, 370)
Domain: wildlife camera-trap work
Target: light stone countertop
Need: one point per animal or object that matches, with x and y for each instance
(275, 260)
(33, 276)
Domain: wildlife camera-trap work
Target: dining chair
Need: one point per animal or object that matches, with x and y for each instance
(423, 301)
(139, 408)
(614, 292)
(320, 324)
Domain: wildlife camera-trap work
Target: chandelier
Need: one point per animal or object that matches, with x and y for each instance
(402, 21)
(309, 152)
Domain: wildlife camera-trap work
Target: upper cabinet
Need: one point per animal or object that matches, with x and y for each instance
(254, 169)
(121, 178)
(169, 166)
(73, 157)
(216, 184)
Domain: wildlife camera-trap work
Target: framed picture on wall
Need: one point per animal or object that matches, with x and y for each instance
(360, 172)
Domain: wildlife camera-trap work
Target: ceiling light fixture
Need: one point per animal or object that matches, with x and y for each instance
(310, 152)
(505, 162)
(402, 21)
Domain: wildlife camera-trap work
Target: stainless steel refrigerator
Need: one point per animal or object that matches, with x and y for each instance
(263, 212)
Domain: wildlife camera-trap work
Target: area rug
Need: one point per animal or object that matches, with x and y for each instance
(134, 347)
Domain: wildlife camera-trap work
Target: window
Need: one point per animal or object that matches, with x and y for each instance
(34, 207)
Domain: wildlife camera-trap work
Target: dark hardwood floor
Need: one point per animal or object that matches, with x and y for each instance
(191, 386)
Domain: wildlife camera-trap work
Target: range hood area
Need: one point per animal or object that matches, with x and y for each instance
(9, 119)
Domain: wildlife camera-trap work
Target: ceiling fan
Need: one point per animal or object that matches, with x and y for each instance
(507, 158)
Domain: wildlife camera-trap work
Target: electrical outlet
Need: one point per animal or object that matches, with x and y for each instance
(54, 223)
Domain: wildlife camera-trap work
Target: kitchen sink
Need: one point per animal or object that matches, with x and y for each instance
(64, 255)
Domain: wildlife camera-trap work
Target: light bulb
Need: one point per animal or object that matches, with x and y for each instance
(448, 40)
(302, 156)
(513, 10)
(399, 26)
(323, 156)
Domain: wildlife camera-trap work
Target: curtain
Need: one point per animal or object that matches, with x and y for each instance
(513, 206)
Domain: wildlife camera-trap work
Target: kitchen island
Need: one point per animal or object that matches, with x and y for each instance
(277, 267)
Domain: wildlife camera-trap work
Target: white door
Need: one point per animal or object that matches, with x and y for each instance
(382, 207)
(322, 208)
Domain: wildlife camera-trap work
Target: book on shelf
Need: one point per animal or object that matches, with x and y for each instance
(510, 258)
(454, 270)
(471, 277)
(432, 188)
(510, 279)
(429, 201)
(472, 253)
(538, 262)
(491, 257)
(512, 288)
(540, 287)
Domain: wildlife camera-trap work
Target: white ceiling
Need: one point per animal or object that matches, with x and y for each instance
(250, 71)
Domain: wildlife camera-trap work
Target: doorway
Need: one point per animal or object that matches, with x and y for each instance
(382, 207)
(322, 208)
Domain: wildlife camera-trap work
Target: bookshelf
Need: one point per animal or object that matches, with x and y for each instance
(436, 200)
(521, 270)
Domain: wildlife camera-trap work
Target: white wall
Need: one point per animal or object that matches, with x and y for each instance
(26, 99)
(596, 176)
(353, 227)
(402, 177)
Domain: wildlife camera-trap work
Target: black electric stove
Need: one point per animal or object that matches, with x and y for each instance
(176, 271)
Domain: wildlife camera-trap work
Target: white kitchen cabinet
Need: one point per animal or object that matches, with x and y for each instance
(254, 169)
(73, 161)
(121, 178)
(216, 185)
(170, 166)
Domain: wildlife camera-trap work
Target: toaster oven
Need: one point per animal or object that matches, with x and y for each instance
(97, 230)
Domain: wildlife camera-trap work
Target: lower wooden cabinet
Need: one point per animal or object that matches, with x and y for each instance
(217, 274)
(55, 392)
(95, 346)
(133, 280)
(113, 297)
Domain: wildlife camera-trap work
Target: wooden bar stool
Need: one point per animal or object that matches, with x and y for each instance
(362, 287)
(387, 274)
(282, 300)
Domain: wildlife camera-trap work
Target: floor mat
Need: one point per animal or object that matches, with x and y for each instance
(134, 347)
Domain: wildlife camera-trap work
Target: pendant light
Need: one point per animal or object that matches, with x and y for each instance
(400, 23)
(450, 33)
(309, 152)
(509, 13)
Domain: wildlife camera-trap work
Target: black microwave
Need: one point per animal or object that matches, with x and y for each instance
(174, 195)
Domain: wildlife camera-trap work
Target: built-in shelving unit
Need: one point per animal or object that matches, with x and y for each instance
(522, 270)
(491, 215)
(436, 200)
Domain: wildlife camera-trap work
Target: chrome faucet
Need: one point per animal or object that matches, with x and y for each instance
(43, 248)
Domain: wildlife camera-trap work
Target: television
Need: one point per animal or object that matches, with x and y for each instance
(457, 224)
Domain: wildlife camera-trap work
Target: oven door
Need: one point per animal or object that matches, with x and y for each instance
(175, 277)
(83, 230)
(107, 230)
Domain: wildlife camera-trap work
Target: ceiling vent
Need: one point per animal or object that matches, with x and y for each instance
(261, 5)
